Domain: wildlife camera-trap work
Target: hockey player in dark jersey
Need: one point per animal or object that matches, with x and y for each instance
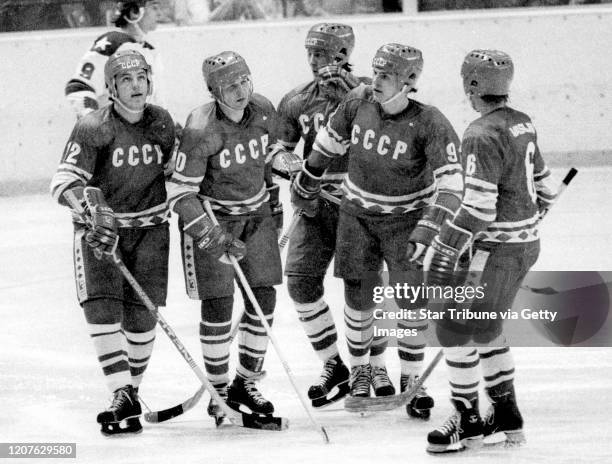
(117, 154)
(302, 112)
(224, 159)
(85, 91)
(507, 184)
(404, 178)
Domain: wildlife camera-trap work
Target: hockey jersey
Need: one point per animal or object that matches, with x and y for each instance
(86, 90)
(505, 178)
(396, 163)
(223, 161)
(302, 112)
(126, 161)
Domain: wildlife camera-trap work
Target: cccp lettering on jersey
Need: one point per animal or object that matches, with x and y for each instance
(381, 144)
(146, 155)
(307, 121)
(254, 148)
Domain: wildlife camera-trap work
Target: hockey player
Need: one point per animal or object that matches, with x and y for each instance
(404, 178)
(506, 182)
(85, 90)
(223, 158)
(116, 155)
(303, 111)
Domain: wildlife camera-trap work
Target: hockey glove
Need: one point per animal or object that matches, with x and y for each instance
(337, 76)
(213, 239)
(443, 255)
(425, 231)
(102, 235)
(276, 207)
(305, 190)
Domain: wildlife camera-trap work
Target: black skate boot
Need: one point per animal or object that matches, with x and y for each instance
(121, 417)
(243, 392)
(462, 430)
(333, 383)
(420, 406)
(503, 423)
(381, 383)
(361, 377)
(213, 409)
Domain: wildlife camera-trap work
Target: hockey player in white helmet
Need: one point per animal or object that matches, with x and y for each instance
(507, 186)
(113, 168)
(86, 91)
(403, 179)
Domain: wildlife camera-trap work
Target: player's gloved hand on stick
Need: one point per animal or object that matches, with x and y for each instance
(305, 190)
(276, 207)
(425, 231)
(442, 257)
(287, 161)
(216, 242)
(102, 235)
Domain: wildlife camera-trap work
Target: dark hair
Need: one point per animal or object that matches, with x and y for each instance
(127, 10)
(494, 99)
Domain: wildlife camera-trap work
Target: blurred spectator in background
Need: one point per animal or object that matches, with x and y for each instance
(190, 12)
(232, 10)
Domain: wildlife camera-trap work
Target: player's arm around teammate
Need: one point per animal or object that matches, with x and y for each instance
(223, 159)
(506, 185)
(116, 155)
(404, 175)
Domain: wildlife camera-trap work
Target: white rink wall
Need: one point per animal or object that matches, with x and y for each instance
(562, 59)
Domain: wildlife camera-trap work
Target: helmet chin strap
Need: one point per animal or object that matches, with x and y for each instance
(118, 102)
(398, 102)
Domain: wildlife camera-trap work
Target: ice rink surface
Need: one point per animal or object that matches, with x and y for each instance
(51, 387)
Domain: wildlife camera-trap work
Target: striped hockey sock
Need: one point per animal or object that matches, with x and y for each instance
(111, 347)
(411, 348)
(497, 369)
(215, 341)
(463, 374)
(359, 334)
(253, 339)
(140, 347)
(318, 323)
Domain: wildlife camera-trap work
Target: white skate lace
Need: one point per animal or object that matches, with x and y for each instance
(490, 416)
(360, 379)
(119, 399)
(451, 425)
(327, 373)
(380, 377)
(249, 386)
(408, 381)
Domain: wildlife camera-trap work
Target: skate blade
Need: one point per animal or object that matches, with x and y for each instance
(335, 394)
(465, 445)
(510, 439)
(422, 414)
(126, 427)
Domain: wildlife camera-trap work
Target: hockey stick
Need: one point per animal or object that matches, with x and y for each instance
(324, 194)
(387, 403)
(253, 421)
(271, 336)
(174, 411)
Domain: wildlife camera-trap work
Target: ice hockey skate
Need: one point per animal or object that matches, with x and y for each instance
(214, 409)
(243, 393)
(121, 417)
(381, 383)
(503, 425)
(420, 406)
(462, 430)
(333, 383)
